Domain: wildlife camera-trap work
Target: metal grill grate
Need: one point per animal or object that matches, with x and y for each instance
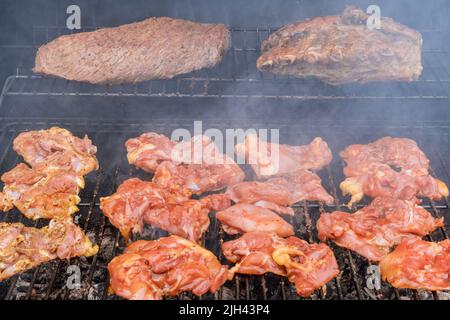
(50, 281)
(237, 77)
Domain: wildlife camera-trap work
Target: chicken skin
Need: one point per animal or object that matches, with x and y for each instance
(389, 167)
(308, 266)
(252, 253)
(48, 194)
(150, 270)
(56, 148)
(418, 264)
(138, 202)
(189, 219)
(23, 248)
(148, 150)
(374, 230)
(244, 217)
(283, 191)
(196, 166)
(270, 159)
(196, 178)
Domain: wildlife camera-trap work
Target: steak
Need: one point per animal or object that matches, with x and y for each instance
(342, 49)
(155, 48)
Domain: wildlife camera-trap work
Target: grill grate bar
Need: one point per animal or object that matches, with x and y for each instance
(237, 77)
(350, 260)
(244, 286)
(99, 241)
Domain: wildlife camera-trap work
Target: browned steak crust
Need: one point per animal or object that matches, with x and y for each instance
(155, 48)
(342, 49)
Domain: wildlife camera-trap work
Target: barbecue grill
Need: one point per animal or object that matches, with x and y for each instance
(232, 95)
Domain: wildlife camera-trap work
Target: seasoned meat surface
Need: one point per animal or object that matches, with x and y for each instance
(48, 194)
(252, 253)
(194, 167)
(23, 248)
(138, 202)
(374, 230)
(418, 264)
(56, 148)
(271, 159)
(308, 266)
(342, 49)
(155, 48)
(150, 270)
(283, 191)
(244, 217)
(149, 150)
(389, 167)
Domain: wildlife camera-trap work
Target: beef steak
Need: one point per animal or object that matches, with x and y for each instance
(155, 48)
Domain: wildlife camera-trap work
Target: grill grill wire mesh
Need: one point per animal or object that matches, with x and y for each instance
(235, 77)
(50, 281)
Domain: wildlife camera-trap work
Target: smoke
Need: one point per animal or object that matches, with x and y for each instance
(239, 96)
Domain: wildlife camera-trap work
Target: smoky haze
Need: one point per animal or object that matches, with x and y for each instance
(360, 113)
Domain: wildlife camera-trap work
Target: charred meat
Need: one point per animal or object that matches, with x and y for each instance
(343, 49)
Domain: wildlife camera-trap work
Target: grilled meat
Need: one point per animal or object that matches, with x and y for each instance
(57, 148)
(343, 49)
(150, 270)
(374, 230)
(189, 219)
(155, 48)
(137, 202)
(148, 150)
(308, 266)
(23, 248)
(244, 217)
(269, 159)
(397, 152)
(197, 178)
(194, 166)
(41, 194)
(252, 253)
(418, 264)
(389, 167)
(127, 207)
(282, 191)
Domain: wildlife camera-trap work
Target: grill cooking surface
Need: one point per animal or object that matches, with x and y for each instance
(237, 76)
(57, 279)
(32, 102)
